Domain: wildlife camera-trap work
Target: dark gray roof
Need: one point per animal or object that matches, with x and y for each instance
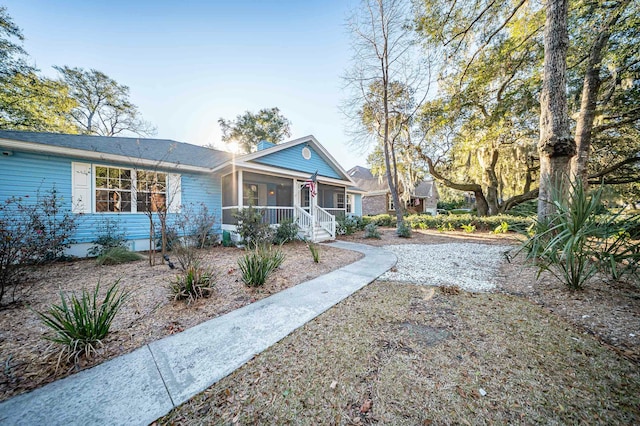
(149, 149)
(368, 182)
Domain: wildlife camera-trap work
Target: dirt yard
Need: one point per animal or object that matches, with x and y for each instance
(29, 361)
(528, 352)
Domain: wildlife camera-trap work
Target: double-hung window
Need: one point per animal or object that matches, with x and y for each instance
(350, 203)
(113, 189)
(151, 191)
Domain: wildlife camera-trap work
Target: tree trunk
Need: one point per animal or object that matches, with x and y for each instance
(590, 89)
(556, 147)
(490, 180)
(482, 207)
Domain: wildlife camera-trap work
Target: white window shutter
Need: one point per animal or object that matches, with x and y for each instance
(174, 196)
(81, 187)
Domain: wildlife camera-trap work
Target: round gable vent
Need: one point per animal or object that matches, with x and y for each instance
(306, 153)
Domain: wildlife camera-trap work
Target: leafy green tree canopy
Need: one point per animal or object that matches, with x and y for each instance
(248, 129)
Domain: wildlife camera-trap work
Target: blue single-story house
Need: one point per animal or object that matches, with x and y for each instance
(115, 177)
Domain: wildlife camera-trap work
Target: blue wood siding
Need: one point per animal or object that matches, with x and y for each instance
(291, 158)
(27, 173)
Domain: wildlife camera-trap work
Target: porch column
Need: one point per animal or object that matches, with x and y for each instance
(296, 199)
(240, 185)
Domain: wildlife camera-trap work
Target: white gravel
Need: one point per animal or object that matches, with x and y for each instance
(472, 267)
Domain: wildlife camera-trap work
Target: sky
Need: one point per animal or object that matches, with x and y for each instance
(189, 63)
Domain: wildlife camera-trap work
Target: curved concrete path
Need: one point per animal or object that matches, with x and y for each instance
(139, 387)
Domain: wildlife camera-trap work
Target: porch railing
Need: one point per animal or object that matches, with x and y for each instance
(272, 215)
(325, 220)
(338, 213)
(304, 221)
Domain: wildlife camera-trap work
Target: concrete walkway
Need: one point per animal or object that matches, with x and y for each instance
(138, 388)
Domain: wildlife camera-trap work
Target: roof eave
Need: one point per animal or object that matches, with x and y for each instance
(95, 155)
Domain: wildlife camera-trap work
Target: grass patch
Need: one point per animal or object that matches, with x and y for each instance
(117, 255)
(404, 354)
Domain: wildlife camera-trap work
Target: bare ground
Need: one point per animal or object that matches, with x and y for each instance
(29, 361)
(395, 353)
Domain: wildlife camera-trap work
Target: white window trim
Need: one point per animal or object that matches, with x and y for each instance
(350, 204)
(390, 205)
(134, 200)
(335, 200)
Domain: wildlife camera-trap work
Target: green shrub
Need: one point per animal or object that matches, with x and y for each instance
(287, 231)
(444, 227)
(569, 240)
(252, 227)
(383, 220)
(468, 228)
(371, 231)
(315, 253)
(80, 324)
(451, 222)
(503, 228)
(404, 230)
(110, 235)
(194, 283)
(526, 209)
(347, 225)
(258, 264)
(117, 255)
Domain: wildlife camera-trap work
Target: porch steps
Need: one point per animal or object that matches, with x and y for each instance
(321, 235)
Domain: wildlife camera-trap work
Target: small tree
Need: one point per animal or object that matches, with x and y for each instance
(32, 232)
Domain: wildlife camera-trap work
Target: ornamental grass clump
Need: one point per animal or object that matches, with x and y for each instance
(79, 325)
(193, 283)
(258, 263)
(117, 255)
(315, 253)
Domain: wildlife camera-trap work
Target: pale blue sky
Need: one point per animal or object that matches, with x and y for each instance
(189, 63)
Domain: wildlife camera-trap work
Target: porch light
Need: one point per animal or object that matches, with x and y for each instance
(272, 192)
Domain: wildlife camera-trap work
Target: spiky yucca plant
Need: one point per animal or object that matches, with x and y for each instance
(79, 325)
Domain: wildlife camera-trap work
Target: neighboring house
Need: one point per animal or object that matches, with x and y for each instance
(376, 196)
(113, 177)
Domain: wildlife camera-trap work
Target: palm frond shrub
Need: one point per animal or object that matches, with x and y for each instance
(193, 283)
(575, 242)
(258, 263)
(79, 324)
(117, 255)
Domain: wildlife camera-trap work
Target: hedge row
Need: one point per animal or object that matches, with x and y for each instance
(424, 221)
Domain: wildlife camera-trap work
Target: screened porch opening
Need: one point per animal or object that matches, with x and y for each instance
(271, 194)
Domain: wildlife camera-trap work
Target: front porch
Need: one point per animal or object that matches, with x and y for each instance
(284, 198)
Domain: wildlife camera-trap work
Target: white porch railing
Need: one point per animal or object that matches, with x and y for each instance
(302, 216)
(336, 212)
(272, 215)
(304, 221)
(325, 220)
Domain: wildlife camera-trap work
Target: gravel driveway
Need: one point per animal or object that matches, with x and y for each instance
(472, 267)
